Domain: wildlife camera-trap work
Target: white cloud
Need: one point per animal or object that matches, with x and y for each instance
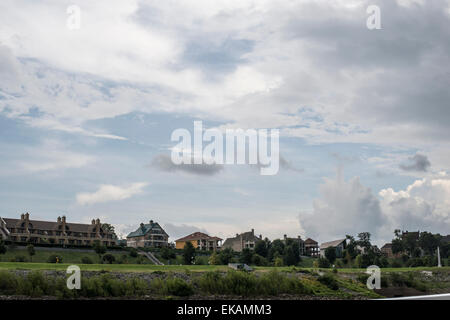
(109, 192)
(348, 207)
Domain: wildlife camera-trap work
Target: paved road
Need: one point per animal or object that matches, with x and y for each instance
(445, 296)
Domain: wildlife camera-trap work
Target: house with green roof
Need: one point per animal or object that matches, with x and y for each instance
(148, 235)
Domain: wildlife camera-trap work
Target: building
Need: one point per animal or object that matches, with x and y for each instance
(299, 240)
(386, 250)
(242, 241)
(148, 235)
(200, 241)
(339, 245)
(61, 232)
(311, 248)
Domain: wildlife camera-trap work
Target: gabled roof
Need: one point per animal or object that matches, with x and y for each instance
(310, 241)
(146, 228)
(334, 243)
(197, 236)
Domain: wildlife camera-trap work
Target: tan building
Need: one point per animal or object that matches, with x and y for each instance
(200, 241)
(241, 241)
(148, 235)
(61, 232)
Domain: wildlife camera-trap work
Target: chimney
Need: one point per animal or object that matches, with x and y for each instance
(93, 221)
(151, 221)
(142, 225)
(27, 216)
(260, 236)
(237, 235)
(97, 221)
(285, 237)
(58, 220)
(64, 219)
(22, 216)
(253, 232)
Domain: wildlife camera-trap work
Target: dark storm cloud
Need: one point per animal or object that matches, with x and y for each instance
(418, 162)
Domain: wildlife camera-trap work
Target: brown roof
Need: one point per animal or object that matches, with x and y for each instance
(331, 243)
(48, 225)
(310, 241)
(198, 236)
(387, 246)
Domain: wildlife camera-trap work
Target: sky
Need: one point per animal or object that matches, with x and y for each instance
(87, 112)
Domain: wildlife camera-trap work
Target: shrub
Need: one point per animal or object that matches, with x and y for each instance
(323, 263)
(329, 281)
(178, 287)
(86, 260)
(109, 258)
(258, 260)
(278, 262)
(133, 252)
(19, 259)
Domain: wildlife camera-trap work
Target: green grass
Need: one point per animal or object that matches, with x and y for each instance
(72, 257)
(181, 268)
(108, 267)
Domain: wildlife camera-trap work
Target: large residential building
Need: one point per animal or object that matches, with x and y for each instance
(311, 248)
(148, 235)
(61, 232)
(299, 240)
(242, 241)
(200, 241)
(339, 246)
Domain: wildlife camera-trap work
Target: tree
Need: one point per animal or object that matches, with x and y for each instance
(276, 249)
(2, 247)
(429, 242)
(108, 227)
(330, 254)
(214, 259)
(291, 255)
(323, 263)
(99, 249)
(364, 240)
(188, 253)
(261, 248)
(31, 251)
(258, 260)
(246, 256)
(109, 258)
(133, 252)
(226, 256)
(167, 254)
(397, 246)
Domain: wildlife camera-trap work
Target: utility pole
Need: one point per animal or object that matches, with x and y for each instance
(439, 258)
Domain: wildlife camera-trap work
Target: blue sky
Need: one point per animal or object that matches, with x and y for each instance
(363, 114)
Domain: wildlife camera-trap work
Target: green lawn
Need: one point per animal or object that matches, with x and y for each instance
(107, 267)
(179, 268)
(72, 257)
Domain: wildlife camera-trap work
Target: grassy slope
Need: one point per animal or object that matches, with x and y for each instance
(67, 256)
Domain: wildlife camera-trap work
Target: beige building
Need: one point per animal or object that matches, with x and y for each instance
(61, 232)
(241, 241)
